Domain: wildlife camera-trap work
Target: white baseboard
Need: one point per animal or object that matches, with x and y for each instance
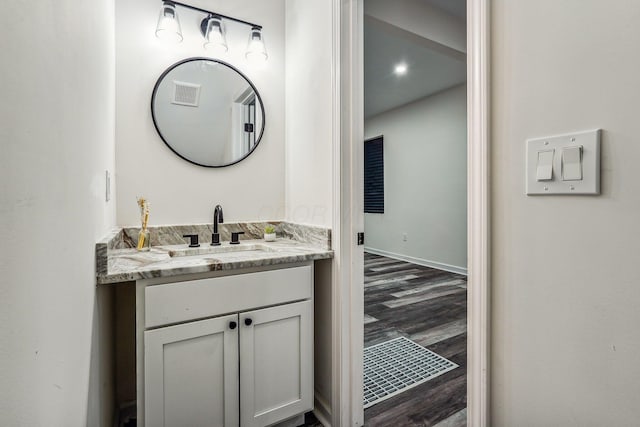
(322, 411)
(419, 261)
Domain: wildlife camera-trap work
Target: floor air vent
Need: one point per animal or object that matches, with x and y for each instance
(397, 365)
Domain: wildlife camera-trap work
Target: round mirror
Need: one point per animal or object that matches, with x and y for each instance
(207, 112)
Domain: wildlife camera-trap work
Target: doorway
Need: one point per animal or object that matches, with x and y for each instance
(415, 213)
(348, 277)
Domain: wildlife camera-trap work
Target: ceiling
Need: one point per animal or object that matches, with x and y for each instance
(457, 8)
(429, 71)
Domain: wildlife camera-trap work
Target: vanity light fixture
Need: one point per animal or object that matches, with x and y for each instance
(212, 28)
(168, 27)
(215, 39)
(256, 52)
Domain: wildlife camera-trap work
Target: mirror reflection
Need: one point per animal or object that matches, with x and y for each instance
(207, 112)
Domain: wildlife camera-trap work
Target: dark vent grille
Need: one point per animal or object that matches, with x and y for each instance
(374, 176)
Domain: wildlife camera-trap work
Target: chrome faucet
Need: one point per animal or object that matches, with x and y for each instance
(217, 219)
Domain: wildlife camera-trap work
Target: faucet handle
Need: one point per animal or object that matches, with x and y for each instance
(193, 240)
(235, 237)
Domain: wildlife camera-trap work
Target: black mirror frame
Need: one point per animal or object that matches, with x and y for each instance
(202, 58)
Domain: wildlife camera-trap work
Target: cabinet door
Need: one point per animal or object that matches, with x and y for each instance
(276, 363)
(191, 374)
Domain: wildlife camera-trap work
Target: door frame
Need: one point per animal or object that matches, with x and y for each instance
(348, 219)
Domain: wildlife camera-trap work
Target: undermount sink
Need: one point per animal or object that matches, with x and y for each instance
(226, 249)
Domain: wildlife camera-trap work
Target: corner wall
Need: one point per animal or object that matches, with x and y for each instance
(180, 192)
(309, 158)
(425, 181)
(57, 135)
(309, 107)
(565, 279)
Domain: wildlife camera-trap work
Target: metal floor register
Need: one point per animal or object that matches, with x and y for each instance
(397, 365)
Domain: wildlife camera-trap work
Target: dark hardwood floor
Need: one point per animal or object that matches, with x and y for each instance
(310, 420)
(428, 306)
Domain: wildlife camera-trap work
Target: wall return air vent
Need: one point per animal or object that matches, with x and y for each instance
(186, 94)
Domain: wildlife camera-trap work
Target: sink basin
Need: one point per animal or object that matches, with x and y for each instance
(227, 249)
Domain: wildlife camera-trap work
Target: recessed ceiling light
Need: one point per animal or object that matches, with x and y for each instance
(400, 69)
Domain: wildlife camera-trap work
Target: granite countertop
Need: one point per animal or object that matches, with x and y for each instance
(118, 261)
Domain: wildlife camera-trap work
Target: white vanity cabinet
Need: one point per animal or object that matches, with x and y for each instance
(191, 374)
(276, 372)
(235, 350)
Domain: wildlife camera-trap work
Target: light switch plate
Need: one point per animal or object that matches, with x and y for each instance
(590, 182)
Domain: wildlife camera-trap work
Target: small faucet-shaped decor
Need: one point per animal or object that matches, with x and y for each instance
(235, 237)
(217, 219)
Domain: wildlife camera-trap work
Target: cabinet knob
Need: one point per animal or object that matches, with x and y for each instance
(248, 321)
(232, 325)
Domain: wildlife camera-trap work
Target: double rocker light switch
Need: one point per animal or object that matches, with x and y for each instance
(564, 164)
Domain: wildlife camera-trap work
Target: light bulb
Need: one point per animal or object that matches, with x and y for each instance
(215, 40)
(400, 69)
(168, 27)
(256, 52)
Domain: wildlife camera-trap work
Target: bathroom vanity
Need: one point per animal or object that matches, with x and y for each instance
(223, 335)
(212, 332)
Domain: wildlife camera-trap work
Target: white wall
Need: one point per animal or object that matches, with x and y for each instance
(566, 285)
(425, 173)
(309, 156)
(309, 102)
(180, 192)
(56, 130)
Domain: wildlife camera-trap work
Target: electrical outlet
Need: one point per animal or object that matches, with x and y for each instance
(404, 237)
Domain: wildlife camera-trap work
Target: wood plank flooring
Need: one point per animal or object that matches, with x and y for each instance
(428, 306)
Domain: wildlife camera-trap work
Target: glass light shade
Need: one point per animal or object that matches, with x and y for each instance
(256, 52)
(216, 40)
(168, 28)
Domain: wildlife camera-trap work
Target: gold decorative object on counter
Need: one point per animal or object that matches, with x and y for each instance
(144, 238)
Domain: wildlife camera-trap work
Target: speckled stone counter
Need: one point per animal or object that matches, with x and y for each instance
(117, 260)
